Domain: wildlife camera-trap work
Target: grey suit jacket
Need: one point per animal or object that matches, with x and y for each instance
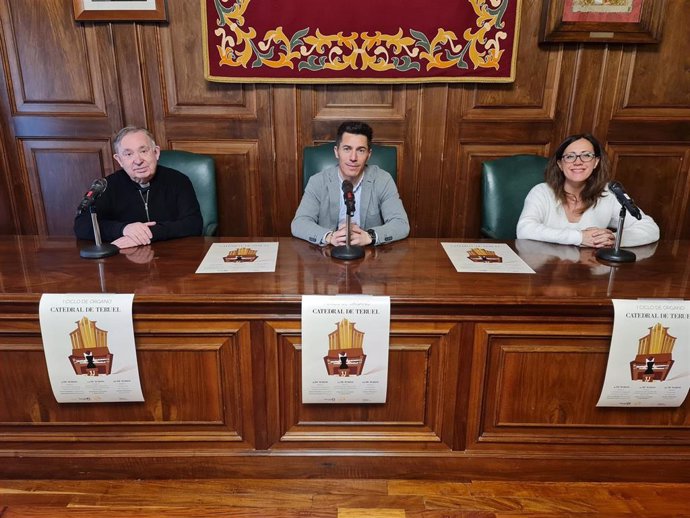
(380, 206)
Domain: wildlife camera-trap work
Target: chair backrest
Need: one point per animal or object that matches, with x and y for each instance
(317, 158)
(201, 170)
(505, 184)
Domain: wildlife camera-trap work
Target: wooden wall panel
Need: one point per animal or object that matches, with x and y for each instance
(189, 94)
(7, 214)
(427, 187)
(658, 177)
(539, 79)
(59, 173)
(62, 73)
(152, 74)
(287, 175)
(655, 81)
(196, 386)
(60, 94)
(415, 410)
(338, 102)
(557, 407)
(125, 42)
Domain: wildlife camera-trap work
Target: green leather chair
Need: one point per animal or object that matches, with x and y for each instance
(505, 184)
(317, 158)
(201, 170)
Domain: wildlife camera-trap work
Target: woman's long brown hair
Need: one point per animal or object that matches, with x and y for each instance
(594, 185)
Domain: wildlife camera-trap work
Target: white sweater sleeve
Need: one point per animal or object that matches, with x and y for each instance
(539, 210)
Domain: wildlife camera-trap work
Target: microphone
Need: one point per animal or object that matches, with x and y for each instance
(99, 250)
(615, 254)
(625, 200)
(349, 197)
(347, 251)
(97, 188)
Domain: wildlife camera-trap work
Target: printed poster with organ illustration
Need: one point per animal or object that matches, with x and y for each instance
(345, 340)
(649, 358)
(88, 341)
(242, 257)
(485, 258)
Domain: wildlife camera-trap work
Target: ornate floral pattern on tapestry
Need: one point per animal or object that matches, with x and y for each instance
(376, 41)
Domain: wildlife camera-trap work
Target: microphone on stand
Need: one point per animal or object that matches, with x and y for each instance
(616, 255)
(625, 200)
(99, 249)
(349, 197)
(348, 252)
(97, 188)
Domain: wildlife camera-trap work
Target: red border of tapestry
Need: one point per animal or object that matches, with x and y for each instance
(379, 41)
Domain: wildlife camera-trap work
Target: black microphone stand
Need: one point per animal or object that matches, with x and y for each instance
(616, 255)
(99, 249)
(348, 252)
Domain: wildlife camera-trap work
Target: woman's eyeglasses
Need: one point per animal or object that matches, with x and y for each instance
(587, 156)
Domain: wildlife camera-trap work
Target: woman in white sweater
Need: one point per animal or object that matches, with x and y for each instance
(574, 205)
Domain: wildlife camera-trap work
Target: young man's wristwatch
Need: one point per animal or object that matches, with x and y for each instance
(372, 234)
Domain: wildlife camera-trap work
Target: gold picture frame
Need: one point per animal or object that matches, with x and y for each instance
(599, 27)
(119, 10)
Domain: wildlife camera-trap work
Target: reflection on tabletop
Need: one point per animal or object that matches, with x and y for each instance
(139, 254)
(348, 279)
(539, 253)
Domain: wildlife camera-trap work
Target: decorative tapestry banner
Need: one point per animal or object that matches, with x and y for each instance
(379, 41)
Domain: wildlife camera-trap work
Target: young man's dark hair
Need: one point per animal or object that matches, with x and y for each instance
(354, 128)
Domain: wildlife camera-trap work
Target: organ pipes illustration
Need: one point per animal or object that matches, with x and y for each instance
(654, 357)
(345, 350)
(90, 354)
(241, 255)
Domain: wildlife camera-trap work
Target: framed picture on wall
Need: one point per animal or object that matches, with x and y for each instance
(119, 10)
(602, 21)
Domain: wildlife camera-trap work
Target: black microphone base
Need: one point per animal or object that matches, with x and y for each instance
(99, 251)
(616, 256)
(347, 253)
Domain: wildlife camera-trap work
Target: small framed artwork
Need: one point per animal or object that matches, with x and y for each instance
(602, 21)
(119, 10)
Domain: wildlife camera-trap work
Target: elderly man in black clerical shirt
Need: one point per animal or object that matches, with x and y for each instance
(143, 201)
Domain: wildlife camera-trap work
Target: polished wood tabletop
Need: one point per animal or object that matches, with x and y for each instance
(413, 272)
(489, 374)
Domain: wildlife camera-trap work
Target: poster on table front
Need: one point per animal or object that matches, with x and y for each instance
(88, 341)
(649, 363)
(345, 341)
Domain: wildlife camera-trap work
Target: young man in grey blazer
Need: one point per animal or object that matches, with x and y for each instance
(379, 216)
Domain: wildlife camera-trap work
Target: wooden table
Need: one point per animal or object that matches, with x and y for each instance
(490, 375)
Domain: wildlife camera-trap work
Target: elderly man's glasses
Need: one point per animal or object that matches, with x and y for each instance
(129, 154)
(587, 156)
